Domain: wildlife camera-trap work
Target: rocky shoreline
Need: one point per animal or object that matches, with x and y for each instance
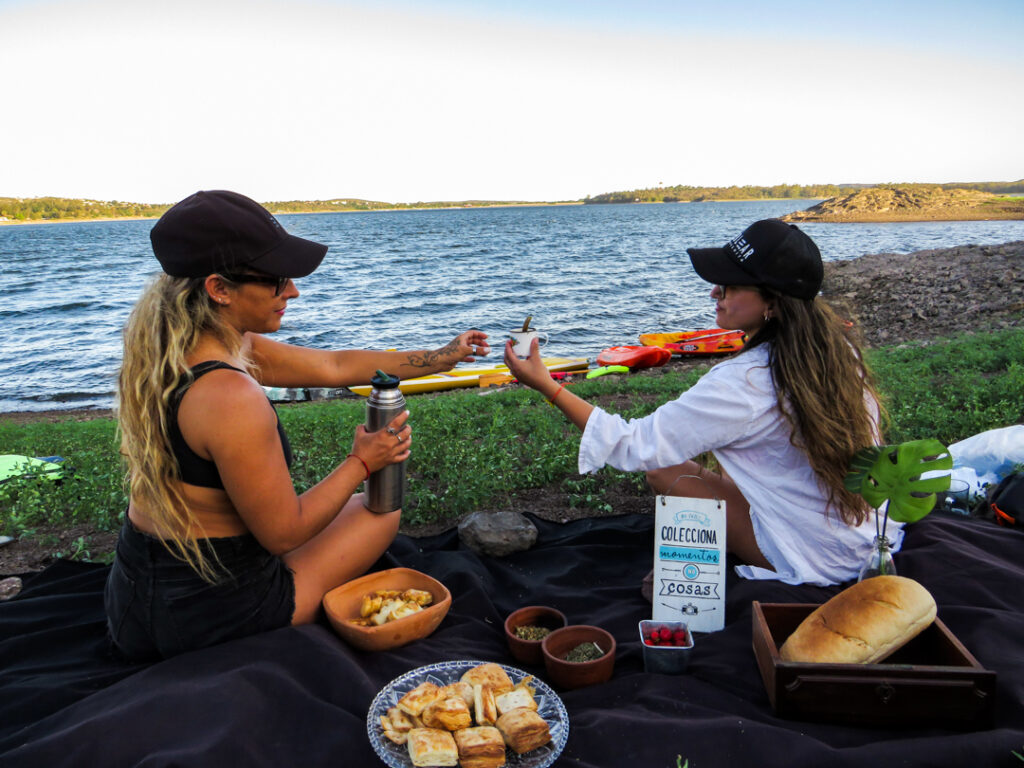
(912, 202)
(930, 294)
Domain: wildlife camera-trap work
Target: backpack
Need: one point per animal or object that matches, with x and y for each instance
(1005, 502)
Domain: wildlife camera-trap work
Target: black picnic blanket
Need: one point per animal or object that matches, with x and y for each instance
(300, 696)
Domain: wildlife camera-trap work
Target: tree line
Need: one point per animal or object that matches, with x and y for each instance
(62, 208)
(50, 208)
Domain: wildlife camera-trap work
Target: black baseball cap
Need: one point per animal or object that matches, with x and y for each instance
(220, 231)
(769, 252)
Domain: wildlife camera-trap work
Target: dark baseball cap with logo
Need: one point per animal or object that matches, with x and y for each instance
(220, 231)
(769, 252)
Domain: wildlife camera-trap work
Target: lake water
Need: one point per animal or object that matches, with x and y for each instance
(591, 276)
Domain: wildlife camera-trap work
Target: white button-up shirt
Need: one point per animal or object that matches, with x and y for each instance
(732, 411)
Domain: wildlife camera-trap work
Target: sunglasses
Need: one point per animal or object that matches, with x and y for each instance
(723, 288)
(279, 283)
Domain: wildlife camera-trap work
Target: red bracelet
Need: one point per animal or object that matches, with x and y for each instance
(365, 465)
(557, 393)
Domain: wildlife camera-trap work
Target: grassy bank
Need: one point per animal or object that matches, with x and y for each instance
(476, 451)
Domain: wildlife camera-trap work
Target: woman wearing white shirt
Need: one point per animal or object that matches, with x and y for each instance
(782, 418)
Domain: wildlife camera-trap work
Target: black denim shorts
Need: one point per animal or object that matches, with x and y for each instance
(157, 606)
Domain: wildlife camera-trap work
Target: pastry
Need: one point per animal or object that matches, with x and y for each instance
(491, 675)
(447, 714)
(485, 710)
(416, 700)
(399, 720)
(514, 699)
(480, 747)
(432, 747)
(460, 689)
(523, 730)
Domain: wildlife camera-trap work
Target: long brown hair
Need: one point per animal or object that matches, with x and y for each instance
(825, 390)
(163, 328)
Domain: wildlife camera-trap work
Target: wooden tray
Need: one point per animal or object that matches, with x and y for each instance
(932, 681)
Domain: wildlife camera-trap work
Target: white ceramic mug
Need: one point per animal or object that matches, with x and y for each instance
(522, 341)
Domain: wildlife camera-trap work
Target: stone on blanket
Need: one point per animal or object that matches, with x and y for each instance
(9, 587)
(497, 534)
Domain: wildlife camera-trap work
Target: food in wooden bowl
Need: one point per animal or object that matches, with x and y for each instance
(526, 627)
(345, 606)
(863, 624)
(578, 655)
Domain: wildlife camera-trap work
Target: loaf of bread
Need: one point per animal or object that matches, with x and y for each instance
(863, 624)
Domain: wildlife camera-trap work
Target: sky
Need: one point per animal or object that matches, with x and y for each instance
(539, 100)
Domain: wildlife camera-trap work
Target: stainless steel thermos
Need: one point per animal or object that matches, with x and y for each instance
(385, 488)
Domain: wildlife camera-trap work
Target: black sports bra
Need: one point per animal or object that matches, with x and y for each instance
(195, 470)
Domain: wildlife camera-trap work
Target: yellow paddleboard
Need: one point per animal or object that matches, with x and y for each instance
(470, 377)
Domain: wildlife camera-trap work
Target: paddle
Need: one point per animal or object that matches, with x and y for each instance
(705, 336)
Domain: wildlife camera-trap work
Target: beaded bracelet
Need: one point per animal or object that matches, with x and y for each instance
(365, 465)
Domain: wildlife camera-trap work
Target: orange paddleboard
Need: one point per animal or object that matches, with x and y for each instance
(712, 341)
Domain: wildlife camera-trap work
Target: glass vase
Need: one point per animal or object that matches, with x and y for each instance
(879, 562)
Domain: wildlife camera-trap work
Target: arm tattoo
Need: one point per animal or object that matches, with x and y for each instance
(432, 358)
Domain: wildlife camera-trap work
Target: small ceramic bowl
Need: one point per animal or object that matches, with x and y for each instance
(665, 659)
(577, 674)
(342, 605)
(529, 651)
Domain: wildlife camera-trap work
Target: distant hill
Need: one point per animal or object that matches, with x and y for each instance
(687, 194)
(913, 202)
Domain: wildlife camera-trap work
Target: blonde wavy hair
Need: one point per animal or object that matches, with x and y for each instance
(163, 328)
(824, 388)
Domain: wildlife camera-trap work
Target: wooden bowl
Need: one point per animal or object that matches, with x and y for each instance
(577, 674)
(342, 604)
(529, 651)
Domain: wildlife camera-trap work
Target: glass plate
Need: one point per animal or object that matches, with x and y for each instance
(549, 706)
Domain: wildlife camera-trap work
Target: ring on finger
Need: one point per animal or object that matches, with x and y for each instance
(391, 431)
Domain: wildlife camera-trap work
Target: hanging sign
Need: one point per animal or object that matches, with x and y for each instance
(689, 562)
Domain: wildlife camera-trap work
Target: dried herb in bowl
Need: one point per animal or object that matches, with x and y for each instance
(585, 652)
(531, 632)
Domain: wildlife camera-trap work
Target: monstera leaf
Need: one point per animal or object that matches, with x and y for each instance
(892, 473)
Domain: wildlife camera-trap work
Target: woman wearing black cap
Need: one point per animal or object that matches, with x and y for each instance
(782, 418)
(216, 543)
